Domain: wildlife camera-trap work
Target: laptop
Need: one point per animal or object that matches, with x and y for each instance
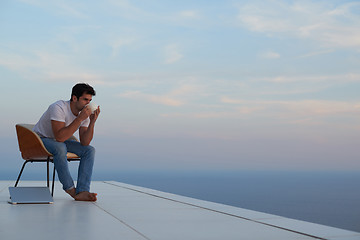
(19, 195)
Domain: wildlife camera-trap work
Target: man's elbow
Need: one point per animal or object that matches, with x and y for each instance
(59, 139)
(84, 143)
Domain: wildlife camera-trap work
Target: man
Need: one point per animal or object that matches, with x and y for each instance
(61, 120)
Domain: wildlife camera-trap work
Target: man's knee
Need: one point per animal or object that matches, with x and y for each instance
(58, 149)
(90, 150)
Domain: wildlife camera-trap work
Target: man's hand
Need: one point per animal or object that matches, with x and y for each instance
(87, 133)
(85, 113)
(94, 116)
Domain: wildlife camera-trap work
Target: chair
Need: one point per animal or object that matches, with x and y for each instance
(33, 150)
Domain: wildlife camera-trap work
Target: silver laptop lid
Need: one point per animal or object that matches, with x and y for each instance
(30, 195)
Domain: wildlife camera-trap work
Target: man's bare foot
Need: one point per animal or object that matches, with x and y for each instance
(71, 192)
(86, 196)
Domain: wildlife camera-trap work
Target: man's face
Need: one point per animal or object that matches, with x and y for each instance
(82, 101)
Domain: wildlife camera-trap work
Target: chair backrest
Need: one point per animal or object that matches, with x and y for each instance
(30, 144)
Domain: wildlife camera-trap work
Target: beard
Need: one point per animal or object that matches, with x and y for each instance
(79, 106)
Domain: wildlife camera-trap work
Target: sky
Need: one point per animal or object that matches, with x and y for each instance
(191, 85)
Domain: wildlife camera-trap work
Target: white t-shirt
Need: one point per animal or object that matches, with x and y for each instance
(58, 111)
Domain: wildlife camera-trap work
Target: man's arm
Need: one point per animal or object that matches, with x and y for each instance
(86, 133)
(63, 133)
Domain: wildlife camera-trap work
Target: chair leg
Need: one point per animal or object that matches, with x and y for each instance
(22, 169)
(47, 172)
(53, 183)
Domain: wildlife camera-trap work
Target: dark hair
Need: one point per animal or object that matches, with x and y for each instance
(79, 89)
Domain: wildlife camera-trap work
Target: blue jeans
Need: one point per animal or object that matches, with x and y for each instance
(86, 154)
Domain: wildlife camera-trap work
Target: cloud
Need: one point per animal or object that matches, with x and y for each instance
(232, 101)
(73, 76)
(300, 108)
(260, 24)
(270, 55)
(189, 14)
(235, 113)
(46, 66)
(172, 54)
(69, 8)
(117, 44)
(316, 53)
(332, 26)
(158, 99)
(341, 78)
(172, 98)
